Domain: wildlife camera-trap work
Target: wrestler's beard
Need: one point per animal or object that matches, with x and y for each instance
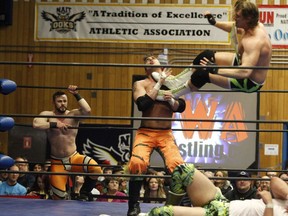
(61, 109)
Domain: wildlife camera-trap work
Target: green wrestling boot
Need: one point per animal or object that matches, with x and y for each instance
(176, 93)
(173, 82)
(161, 211)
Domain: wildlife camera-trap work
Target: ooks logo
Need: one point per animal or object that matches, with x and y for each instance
(63, 22)
(109, 154)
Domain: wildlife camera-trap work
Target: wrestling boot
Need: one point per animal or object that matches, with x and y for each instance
(161, 211)
(134, 197)
(173, 82)
(176, 93)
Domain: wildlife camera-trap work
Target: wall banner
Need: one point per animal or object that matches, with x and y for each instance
(129, 23)
(107, 144)
(275, 19)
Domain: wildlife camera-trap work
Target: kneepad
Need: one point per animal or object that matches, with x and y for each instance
(200, 77)
(209, 54)
(182, 176)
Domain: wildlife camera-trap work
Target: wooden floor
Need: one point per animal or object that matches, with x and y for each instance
(40, 207)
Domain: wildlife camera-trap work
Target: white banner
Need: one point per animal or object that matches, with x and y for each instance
(128, 23)
(275, 19)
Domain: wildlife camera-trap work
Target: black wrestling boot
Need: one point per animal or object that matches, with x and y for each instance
(134, 196)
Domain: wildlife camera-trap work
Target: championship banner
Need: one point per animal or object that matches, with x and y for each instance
(129, 23)
(107, 144)
(275, 20)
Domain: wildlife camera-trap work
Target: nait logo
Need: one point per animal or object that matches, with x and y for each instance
(63, 22)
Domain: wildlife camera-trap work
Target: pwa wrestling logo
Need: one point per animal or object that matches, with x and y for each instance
(63, 22)
(109, 154)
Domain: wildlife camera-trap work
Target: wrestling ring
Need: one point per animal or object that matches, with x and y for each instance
(31, 206)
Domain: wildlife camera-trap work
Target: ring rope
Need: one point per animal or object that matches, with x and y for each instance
(130, 89)
(152, 167)
(144, 118)
(134, 65)
(173, 129)
(123, 175)
(65, 88)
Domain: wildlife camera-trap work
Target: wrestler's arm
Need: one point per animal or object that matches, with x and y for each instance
(279, 188)
(139, 89)
(176, 104)
(249, 58)
(223, 25)
(84, 107)
(267, 199)
(42, 123)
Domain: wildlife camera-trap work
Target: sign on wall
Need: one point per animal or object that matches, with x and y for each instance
(275, 20)
(178, 24)
(107, 144)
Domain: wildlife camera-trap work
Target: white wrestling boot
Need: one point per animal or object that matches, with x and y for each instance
(176, 93)
(173, 82)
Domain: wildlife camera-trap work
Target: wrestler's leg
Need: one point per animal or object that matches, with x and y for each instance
(200, 189)
(199, 76)
(222, 59)
(58, 182)
(138, 164)
(279, 188)
(177, 211)
(169, 151)
(173, 82)
(86, 165)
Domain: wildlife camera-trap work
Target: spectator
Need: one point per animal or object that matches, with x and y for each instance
(25, 179)
(3, 176)
(41, 187)
(257, 182)
(118, 171)
(209, 175)
(224, 184)
(265, 184)
(11, 186)
(37, 167)
(243, 189)
(113, 190)
(101, 181)
(284, 177)
(47, 166)
(79, 181)
(123, 185)
(154, 188)
(271, 173)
